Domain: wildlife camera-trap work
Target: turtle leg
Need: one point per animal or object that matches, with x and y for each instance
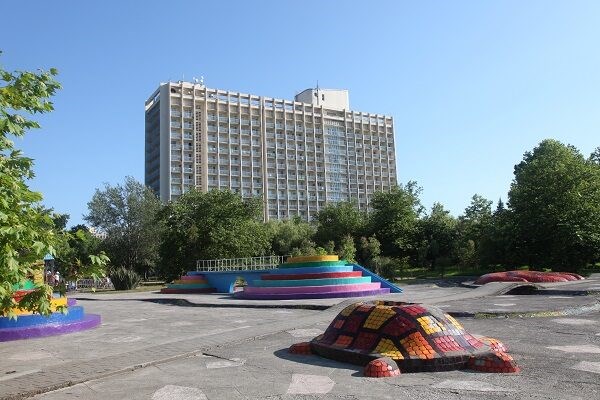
(381, 368)
(494, 344)
(300, 348)
(496, 361)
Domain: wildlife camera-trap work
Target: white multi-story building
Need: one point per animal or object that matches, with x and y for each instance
(296, 155)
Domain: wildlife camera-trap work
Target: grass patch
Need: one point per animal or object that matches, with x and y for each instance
(449, 272)
(142, 288)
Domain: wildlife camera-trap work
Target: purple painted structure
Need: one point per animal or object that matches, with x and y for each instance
(89, 321)
(316, 277)
(29, 326)
(323, 295)
(314, 289)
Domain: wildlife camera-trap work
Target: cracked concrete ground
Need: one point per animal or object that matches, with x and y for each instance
(558, 360)
(148, 350)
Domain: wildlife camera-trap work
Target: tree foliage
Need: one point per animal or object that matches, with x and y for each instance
(291, 237)
(555, 200)
(438, 233)
(127, 213)
(216, 224)
(474, 231)
(394, 219)
(25, 229)
(336, 221)
(595, 156)
(78, 253)
(370, 250)
(346, 250)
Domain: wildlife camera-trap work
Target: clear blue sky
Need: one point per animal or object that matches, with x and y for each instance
(471, 85)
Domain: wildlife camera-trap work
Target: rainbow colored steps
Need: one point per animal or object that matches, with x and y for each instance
(29, 325)
(190, 283)
(313, 277)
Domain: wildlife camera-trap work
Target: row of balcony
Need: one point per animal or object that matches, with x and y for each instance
(298, 139)
(186, 135)
(178, 170)
(302, 125)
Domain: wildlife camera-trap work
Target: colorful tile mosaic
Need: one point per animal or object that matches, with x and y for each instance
(301, 348)
(389, 337)
(381, 368)
(378, 317)
(353, 323)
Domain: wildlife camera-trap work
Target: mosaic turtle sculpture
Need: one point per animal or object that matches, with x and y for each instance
(393, 337)
(528, 276)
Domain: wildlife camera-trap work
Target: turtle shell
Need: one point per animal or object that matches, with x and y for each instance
(416, 337)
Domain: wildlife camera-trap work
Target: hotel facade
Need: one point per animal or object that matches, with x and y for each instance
(296, 155)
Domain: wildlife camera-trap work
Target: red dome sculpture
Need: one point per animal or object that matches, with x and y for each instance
(527, 276)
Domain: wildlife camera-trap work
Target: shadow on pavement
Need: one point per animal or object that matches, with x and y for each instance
(313, 359)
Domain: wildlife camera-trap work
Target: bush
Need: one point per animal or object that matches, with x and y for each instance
(347, 250)
(319, 251)
(385, 267)
(124, 279)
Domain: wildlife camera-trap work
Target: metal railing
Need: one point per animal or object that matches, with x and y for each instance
(89, 283)
(239, 264)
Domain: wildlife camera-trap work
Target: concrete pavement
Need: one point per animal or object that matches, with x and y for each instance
(207, 346)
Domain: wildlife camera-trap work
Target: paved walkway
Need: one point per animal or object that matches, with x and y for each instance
(142, 335)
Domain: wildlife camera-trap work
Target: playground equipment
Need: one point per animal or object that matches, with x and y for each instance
(190, 283)
(29, 325)
(221, 275)
(393, 337)
(314, 277)
(271, 278)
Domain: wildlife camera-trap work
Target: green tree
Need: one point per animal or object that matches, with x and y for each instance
(474, 231)
(128, 214)
(370, 250)
(555, 199)
(394, 219)
(346, 249)
(78, 253)
(338, 220)
(212, 225)
(476, 217)
(438, 231)
(500, 243)
(25, 229)
(595, 156)
(291, 237)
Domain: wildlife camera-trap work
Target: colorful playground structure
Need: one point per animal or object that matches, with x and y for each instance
(527, 276)
(271, 278)
(28, 325)
(190, 283)
(388, 338)
(314, 277)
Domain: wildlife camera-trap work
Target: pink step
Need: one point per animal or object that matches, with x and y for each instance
(313, 289)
